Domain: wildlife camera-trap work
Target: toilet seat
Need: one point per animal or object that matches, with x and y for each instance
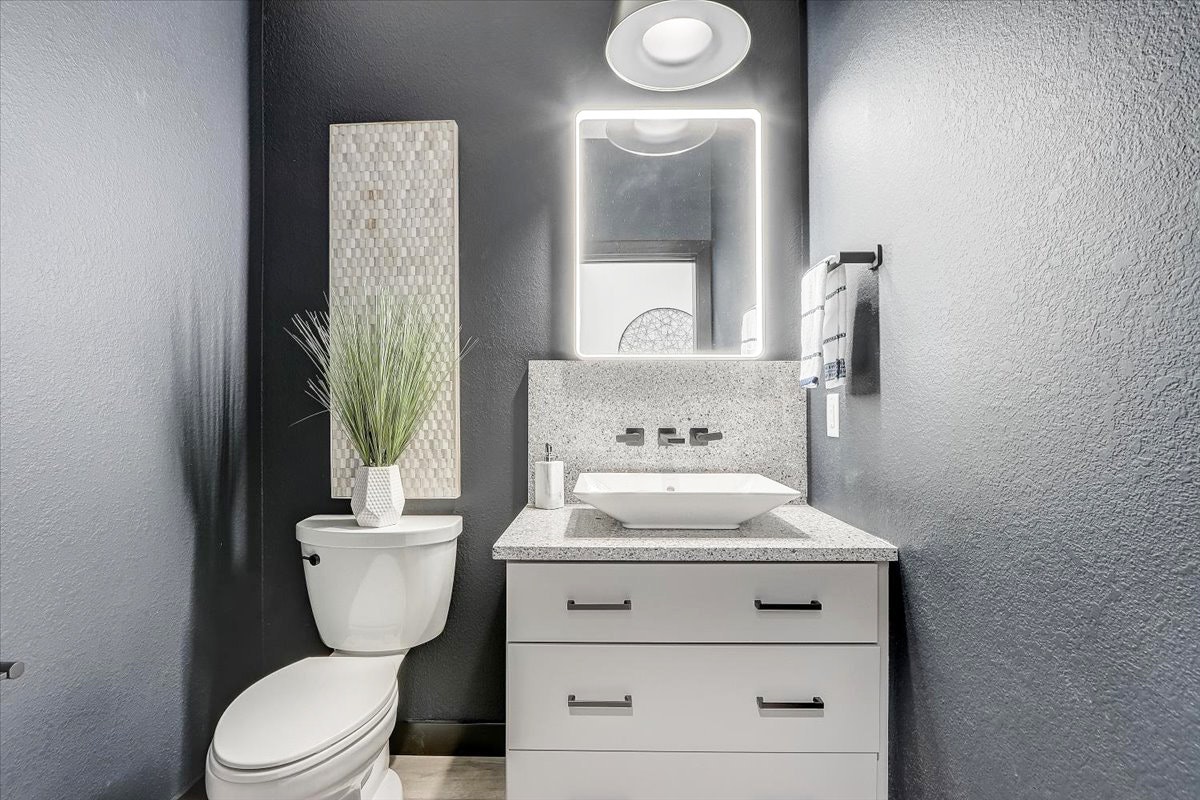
(315, 770)
(315, 707)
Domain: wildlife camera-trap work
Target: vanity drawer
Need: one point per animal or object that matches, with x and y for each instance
(581, 775)
(718, 602)
(693, 697)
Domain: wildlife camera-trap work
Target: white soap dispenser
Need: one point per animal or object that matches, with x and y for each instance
(548, 481)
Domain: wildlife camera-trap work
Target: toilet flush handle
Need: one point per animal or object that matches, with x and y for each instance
(314, 559)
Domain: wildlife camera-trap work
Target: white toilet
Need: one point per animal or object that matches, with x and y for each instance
(318, 729)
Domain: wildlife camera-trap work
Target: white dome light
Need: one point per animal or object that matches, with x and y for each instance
(659, 137)
(660, 130)
(677, 41)
(672, 45)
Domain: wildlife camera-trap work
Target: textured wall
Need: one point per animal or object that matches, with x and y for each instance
(1030, 438)
(512, 75)
(127, 581)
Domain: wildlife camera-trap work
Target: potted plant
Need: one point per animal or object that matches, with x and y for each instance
(380, 365)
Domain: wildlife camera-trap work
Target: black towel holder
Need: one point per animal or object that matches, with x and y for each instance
(873, 260)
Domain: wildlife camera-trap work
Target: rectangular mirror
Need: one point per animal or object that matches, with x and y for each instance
(668, 234)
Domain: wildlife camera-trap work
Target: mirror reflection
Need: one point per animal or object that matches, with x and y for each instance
(668, 234)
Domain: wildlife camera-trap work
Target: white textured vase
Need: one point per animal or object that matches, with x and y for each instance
(378, 498)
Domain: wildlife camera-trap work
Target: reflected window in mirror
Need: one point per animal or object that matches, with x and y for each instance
(668, 234)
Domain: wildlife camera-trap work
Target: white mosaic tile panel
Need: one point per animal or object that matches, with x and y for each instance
(393, 224)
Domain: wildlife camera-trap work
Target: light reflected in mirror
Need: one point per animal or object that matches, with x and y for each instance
(668, 234)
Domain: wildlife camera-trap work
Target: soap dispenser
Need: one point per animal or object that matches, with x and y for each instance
(548, 481)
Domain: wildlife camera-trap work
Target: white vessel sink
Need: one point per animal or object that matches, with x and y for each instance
(682, 500)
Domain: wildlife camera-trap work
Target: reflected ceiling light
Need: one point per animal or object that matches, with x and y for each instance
(660, 130)
(672, 45)
(659, 137)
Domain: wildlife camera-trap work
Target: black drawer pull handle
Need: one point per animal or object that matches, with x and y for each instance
(626, 703)
(627, 605)
(813, 605)
(769, 706)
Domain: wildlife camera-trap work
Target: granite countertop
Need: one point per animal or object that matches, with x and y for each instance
(579, 532)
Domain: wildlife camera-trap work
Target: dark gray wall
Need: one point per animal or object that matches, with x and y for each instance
(512, 74)
(128, 574)
(1031, 438)
(733, 237)
(639, 197)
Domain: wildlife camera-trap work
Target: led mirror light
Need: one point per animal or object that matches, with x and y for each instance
(661, 132)
(672, 45)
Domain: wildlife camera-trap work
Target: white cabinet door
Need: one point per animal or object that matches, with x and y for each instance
(580, 775)
(653, 602)
(694, 697)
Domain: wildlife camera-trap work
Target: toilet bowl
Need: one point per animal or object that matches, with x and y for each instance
(318, 729)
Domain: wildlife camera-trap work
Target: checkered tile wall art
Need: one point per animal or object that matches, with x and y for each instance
(393, 224)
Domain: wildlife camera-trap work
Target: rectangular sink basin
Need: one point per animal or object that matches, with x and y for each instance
(719, 501)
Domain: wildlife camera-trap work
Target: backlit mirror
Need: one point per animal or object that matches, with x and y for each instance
(668, 234)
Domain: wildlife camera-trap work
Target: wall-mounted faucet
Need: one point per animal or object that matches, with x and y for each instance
(700, 437)
(634, 437)
(667, 437)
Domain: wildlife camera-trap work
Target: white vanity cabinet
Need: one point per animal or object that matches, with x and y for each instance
(660, 679)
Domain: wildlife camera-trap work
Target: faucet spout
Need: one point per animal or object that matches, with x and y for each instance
(666, 436)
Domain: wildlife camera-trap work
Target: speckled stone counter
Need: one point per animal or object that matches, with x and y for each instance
(789, 533)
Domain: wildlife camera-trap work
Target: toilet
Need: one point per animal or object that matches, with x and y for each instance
(318, 729)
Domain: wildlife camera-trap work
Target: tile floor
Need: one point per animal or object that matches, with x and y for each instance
(450, 777)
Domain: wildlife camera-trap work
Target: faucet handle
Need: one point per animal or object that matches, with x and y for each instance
(634, 437)
(700, 437)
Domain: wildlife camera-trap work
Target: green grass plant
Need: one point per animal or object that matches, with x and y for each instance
(380, 366)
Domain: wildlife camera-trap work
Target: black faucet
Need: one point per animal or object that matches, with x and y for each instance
(666, 436)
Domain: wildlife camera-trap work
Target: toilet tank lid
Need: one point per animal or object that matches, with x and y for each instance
(340, 530)
(302, 709)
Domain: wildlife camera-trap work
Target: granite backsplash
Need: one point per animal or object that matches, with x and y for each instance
(580, 406)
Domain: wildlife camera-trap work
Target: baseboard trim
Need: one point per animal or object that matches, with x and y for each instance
(195, 791)
(445, 738)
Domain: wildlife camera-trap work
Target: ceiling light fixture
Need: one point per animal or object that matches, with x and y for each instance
(672, 45)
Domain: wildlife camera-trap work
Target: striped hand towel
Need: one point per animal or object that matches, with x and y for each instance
(812, 318)
(835, 333)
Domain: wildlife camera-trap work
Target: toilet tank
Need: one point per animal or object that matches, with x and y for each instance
(379, 590)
